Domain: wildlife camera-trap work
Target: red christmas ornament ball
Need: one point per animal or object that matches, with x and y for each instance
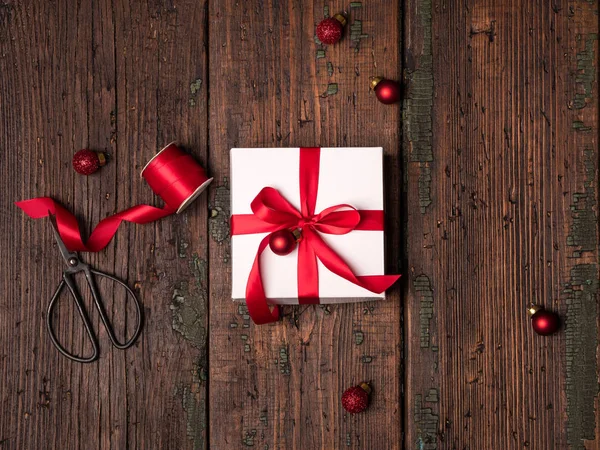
(330, 30)
(282, 242)
(544, 322)
(86, 162)
(356, 398)
(387, 91)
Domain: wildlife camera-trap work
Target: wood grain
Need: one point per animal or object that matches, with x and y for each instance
(501, 143)
(279, 386)
(110, 76)
(497, 208)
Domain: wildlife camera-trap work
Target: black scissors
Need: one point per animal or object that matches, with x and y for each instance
(74, 265)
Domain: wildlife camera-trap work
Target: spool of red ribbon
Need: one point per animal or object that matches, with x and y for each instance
(176, 177)
(173, 175)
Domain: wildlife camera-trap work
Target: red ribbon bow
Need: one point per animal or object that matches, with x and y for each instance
(272, 212)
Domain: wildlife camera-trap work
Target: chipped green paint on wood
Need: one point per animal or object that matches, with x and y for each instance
(582, 288)
(432, 396)
(284, 360)
(220, 210)
(422, 285)
(426, 420)
(586, 72)
(244, 338)
(264, 417)
(578, 125)
(194, 89)
(332, 89)
(188, 306)
(326, 309)
(418, 107)
(195, 408)
(243, 312)
(182, 248)
(356, 35)
(326, 11)
(320, 54)
(359, 337)
(582, 235)
(329, 68)
(581, 332)
(581, 328)
(248, 438)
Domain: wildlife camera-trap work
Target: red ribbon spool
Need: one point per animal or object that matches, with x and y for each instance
(176, 177)
(172, 174)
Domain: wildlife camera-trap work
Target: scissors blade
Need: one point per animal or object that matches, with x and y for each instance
(64, 251)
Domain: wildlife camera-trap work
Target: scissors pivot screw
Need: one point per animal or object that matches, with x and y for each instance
(73, 261)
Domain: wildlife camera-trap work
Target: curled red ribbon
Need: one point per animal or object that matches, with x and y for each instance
(272, 212)
(172, 174)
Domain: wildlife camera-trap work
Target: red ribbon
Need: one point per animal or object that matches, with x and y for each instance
(272, 212)
(172, 174)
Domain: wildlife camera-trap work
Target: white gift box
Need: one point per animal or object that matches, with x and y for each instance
(351, 176)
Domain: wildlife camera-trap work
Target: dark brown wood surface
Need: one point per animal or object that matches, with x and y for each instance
(501, 144)
(125, 78)
(491, 186)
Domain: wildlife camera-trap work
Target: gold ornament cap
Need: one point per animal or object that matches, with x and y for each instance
(375, 81)
(341, 19)
(365, 387)
(534, 309)
(297, 234)
(101, 158)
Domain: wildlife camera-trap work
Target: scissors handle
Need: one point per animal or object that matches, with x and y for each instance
(69, 282)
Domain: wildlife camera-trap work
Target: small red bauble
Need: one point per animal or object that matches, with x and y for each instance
(356, 398)
(544, 322)
(283, 242)
(387, 91)
(330, 30)
(86, 162)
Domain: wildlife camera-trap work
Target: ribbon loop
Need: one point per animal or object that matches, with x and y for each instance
(270, 206)
(334, 221)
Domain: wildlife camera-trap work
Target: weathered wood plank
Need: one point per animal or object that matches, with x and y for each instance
(579, 275)
(501, 142)
(279, 386)
(127, 79)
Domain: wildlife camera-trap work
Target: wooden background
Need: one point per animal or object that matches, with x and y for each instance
(492, 203)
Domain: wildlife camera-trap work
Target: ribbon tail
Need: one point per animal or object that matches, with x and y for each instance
(377, 283)
(41, 207)
(308, 275)
(373, 283)
(256, 300)
(68, 227)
